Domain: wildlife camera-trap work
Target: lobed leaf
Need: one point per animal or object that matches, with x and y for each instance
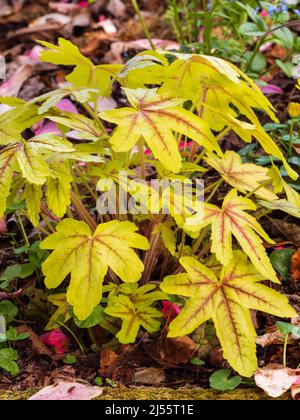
(226, 300)
(87, 256)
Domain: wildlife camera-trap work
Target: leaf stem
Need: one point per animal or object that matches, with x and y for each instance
(73, 335)
(82, 211)
(286, 338)
(142, 22)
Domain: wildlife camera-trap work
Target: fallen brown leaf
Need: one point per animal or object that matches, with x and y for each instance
(276, 379)
(295, 389)
(149, 376)
(3, 225)
(177, 350)
(107, 358)
(291, 231)
(295, 266)
(270, 338)
(67, 391)
(37, 346)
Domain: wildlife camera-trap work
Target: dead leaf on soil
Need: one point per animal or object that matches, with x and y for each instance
(295, 389)
(117, 8)
(291, 231)
(3, 225)
(177, 350)
(270, 338)
(37, 346)
(118, 48)
(295, 266)
(216, 357)
(275, 379)
(13, 85)
(68, 391)
(107, 358)
(149, 376)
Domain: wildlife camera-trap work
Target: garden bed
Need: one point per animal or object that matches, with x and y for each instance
(159, 394)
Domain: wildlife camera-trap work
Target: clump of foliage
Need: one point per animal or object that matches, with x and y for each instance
(108, 268)
(236, 30)
(8, 336)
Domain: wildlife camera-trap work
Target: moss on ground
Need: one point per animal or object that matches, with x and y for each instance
(159, 394)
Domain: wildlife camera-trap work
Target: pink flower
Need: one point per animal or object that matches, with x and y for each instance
(84, 3)
(34, 53)
(170, 310)
(48, 127)
(264, 13)
(56, 339)
(270, 89)
(66, 105)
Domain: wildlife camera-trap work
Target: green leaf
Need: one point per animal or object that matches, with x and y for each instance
(219, 380)
(259, 63)
(11, 272)
(287, 68)
(86, 127)
(250, 29)
(96, 317)
(7, 361)
(62, 313)
(285, 37)
(196, 361)
(85, 73)
(12, 335)
(281, 261)
(88, 256)
(59, 188)
(33, 196)
(8, 310)
(98, 381)
(133, 316)
(286, 328)
(70, 359)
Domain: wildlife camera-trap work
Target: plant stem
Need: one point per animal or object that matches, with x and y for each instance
(142, 22)
(82, 211)
(142, 158)
(199, 240)
(177, 22)
(262, 40)
(251, 193)
(150, 256)
(85, 183)
(94, 115)
(285, 349)
(23, 231)
(217, 186)
(291, 138)
(223, 133)
(73, 335)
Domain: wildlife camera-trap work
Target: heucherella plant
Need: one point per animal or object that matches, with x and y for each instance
(118, 194)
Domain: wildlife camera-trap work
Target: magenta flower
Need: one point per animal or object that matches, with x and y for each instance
(170, 310)
(55, 339)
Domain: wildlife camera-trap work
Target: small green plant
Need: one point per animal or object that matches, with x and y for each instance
(35, 257)
(286, 329)
(8, 336)
(99, 381)
(70, 359)
(230, 29)
(118, 245)
(220, 380)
